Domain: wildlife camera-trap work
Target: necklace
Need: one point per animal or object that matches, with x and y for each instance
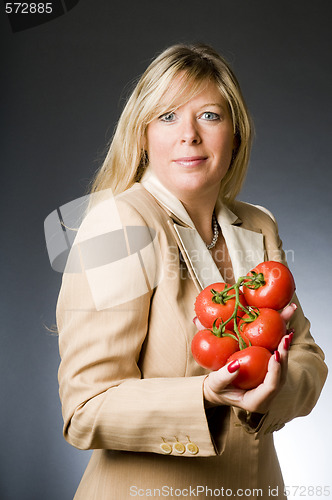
(215, 233)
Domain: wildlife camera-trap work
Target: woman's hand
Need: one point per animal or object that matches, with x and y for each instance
(217, 388)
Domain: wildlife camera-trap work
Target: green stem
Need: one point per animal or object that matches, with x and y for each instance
(242, 343)
(255, 281)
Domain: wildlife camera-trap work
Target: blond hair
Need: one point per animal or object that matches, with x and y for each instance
(197, 64)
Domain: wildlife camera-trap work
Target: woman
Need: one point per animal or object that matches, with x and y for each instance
(160, 424)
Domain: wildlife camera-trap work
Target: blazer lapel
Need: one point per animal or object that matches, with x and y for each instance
(197, 257)
(245, 246)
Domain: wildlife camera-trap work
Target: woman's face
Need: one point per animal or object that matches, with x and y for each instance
(190, 148)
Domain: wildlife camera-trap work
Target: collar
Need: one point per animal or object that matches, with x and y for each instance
(171, 204)
(174, 206)
(245, 247)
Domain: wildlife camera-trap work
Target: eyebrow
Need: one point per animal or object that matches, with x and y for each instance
(218, 104)
(213, 104)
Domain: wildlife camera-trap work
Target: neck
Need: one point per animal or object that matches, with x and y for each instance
(200, 212)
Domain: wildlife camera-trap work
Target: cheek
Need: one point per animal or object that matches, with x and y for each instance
(153, 142)
(222, 150)
(220, 138)
(158, 149)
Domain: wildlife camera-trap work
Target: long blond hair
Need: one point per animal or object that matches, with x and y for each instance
(198, 64)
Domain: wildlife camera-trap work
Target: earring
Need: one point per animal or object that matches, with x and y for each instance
(144, 158)
(144, 162)
(234, 154)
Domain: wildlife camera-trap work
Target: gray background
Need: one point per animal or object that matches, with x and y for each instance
(63, 85)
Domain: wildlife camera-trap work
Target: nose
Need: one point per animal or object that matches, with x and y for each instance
(189, 131)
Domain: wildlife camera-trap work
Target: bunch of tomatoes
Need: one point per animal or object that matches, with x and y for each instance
(242, 322)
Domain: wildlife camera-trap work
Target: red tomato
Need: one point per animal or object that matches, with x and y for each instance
(278, 289)
(265, 331)
(208, 309)
(253, 366)
(210, 351)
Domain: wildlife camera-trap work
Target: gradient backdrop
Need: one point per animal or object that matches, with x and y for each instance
(63, 85)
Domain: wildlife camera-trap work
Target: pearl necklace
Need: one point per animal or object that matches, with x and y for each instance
(215, 233)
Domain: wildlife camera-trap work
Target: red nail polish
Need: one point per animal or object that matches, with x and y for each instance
(277, 356)
(234, 366)
(286, 343)
(290, 336)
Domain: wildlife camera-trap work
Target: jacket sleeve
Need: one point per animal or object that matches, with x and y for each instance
(307, 370)
(105, 401)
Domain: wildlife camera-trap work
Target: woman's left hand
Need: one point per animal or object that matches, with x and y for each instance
(219, 391)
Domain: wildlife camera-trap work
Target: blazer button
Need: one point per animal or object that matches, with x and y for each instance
(179, 447)
(166, 448)
(192, 448)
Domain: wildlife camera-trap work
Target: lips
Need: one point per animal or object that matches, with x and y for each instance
(190, 161)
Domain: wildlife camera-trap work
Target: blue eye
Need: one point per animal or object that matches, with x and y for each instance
(167, 117)
(209, 115)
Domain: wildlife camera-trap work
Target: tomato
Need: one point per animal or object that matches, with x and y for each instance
(265, 331)
(253, 366)
(208, 309)
(210, 351)
(278, 287)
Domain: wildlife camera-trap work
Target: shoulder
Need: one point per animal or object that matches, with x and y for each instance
(261, 220)
(115, 245)
(107, 212)
(137, 198)
(138, 206)
(253, 215)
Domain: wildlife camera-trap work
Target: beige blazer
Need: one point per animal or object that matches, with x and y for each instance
(129, 386)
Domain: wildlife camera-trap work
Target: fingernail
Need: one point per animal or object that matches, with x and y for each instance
(286, 343)
(277, 356)
(294, 306)
(233, 366)
(290, 336)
